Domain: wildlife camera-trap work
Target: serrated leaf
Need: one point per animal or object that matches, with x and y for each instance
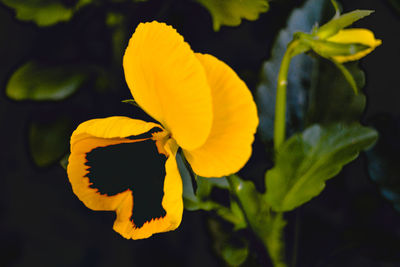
(306, 160)
(332, 97)
(48, 142)
(302, 19)
(231, 12)
(38, 82)
(43, 12)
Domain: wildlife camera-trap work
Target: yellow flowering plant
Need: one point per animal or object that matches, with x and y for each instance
(201, 106)
(203, 124)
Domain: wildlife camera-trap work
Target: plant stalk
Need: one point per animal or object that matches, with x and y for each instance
(280, 104)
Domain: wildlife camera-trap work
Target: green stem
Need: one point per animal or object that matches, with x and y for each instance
(280, 104)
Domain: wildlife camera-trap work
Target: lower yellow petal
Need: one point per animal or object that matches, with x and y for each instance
(103, 133)
(360, 36)
(235, 121)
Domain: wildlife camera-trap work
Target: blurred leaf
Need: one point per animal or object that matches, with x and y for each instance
(231, 12)
(231, 247)
(267, 226)
(332, 98)
(273, 234)
(383, 159)
(250, 201)
(48, 142)
(247, 195)
(64, 161)
(43, 12)
(306, 160)
(234, 255)
(34, 81)
(299, 78)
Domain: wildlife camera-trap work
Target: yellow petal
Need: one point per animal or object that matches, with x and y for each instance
(360, 36)
(112, 131)
(228, 146)
(169, 83)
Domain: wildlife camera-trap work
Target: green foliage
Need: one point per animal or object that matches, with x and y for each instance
(305, 161)
(231, 12)
(332, 98)
(48, 142)
(232, 248)
(35, 81)
(201, 199)
(274, 238)
(266, 225)
(43, 12)
(299, 78)
(64, 161)
(336, 24)
(234, 255)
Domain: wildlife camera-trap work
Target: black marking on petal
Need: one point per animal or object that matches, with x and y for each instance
(145, 135)
(136, 166)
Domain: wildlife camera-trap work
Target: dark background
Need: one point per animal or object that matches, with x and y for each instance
(43, 223)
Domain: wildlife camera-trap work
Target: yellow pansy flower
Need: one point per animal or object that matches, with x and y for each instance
(355, 36)
(201, 105)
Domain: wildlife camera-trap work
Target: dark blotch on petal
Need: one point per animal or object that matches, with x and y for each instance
(135, 166)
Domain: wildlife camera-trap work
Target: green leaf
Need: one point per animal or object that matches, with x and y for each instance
(336, 24)
(131, 101)
(64, 161)
(48, 142)
(43, 12)
(247, 195)
(35, 81)
(299, 77)
(274, 238)
(231, 12)
(306, 160)
(332, 97)
(235, 255)
(190, 200)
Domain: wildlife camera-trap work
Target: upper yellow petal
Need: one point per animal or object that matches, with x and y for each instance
(169, 83)
(360, 36)
(228, 146)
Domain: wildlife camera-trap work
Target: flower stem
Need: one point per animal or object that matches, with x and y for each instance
(280, 104)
